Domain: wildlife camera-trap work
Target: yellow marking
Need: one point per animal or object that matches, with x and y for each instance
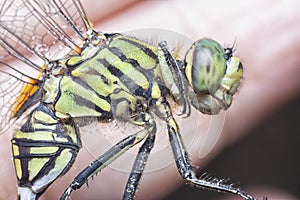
(134, 52)
(18, 168)
(39, 115)
(61, 115)
(188, 68)
(72, 134)
(59, 139)
(73, 60)
(155, 93)
(16, 151)
(67, 105)
(233, 75)
(35, 165)
(83, 72)
(93, 80)
(40, 136)
(17, 161)
(63, 160)
(173, 124)
(126, 68)
(43, 150)
(43, 126)
(100, 86)
(103, 104)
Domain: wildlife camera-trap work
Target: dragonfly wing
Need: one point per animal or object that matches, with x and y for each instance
(32, 34)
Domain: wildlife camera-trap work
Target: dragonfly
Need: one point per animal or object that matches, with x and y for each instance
(58, 74)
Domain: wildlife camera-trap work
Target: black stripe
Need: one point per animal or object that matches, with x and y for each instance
(24, 142)
(82, 101)
(92, 71)
(88, 104)
(45, 155)
(144, 48)
(125, 79)
(149, 74)
(86, 86)
(27, 126)
(116, 51)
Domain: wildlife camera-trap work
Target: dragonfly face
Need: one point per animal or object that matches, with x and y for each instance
(100, 77)
(214, 74)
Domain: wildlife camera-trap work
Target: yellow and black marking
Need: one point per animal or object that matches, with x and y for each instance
(128, 80)
(44, 149)
(110, 76)
(105, 77)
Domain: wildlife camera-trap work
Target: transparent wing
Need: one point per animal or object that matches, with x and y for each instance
(46, 27)
(15, 88)
(32, 34)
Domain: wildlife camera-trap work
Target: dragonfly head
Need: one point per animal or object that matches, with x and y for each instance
(214, 75)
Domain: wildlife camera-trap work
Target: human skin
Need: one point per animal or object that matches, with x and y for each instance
(267, 37)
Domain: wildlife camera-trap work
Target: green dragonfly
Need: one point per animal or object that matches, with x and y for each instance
(57, 74)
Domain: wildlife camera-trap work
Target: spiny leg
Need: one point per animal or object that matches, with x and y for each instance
(112, 154)
(183, 163)
(138, 167)
(185, 169)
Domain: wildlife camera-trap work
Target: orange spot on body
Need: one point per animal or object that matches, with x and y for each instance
(27, 91)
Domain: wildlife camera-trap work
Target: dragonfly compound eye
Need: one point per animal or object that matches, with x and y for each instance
(205, 65)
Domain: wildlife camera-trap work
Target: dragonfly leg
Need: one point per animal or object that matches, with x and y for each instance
(112, 154)
(182, 160)
(138, 167)
(186, 171)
